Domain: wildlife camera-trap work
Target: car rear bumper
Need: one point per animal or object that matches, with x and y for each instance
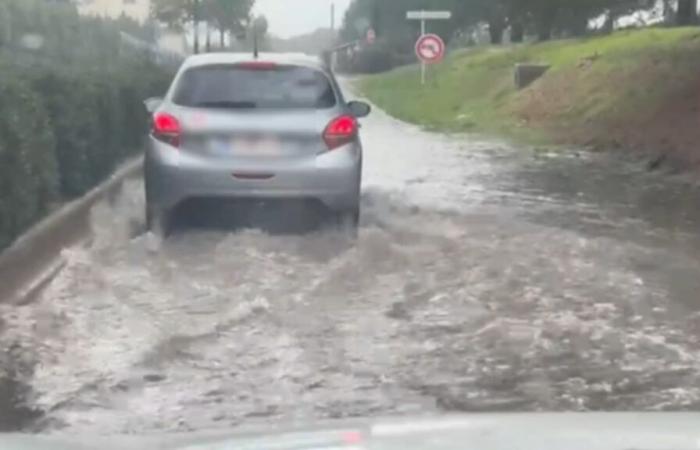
(333, 178)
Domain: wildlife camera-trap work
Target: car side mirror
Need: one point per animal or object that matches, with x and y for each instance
(152, 104)
(359, 109)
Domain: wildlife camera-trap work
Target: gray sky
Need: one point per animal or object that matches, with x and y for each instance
(293, 17)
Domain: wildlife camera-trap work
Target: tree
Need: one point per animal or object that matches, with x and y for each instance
(544, 19)
(388, 19)
(260, 25)
(176, 13)
(687, 12)
(230, 15)
(259, 31)
(550, 18)
(5, 25)
(173, 13)
(668, 12)
(495, 15)
(517, 20)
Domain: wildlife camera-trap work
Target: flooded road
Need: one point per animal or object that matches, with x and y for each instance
(485, 277)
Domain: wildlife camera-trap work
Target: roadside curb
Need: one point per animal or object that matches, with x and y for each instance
(35, 257)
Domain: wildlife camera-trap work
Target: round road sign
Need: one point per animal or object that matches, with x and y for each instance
(371, 36)
(430, 48)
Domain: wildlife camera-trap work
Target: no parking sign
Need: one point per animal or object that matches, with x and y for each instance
(430, 48)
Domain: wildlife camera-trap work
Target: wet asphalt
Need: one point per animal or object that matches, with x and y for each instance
(487, 276)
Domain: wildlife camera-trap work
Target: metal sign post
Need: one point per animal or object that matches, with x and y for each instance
(423, 65)
(424, 16)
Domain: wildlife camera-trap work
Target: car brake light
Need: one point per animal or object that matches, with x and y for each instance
(340, 131)
(166, 128)
(258, 65)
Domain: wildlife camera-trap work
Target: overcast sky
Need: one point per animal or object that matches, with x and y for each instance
(293, 17)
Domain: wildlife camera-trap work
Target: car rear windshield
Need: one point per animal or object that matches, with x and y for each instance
(239, 87)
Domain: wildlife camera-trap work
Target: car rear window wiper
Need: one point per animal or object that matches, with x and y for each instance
(226, 105)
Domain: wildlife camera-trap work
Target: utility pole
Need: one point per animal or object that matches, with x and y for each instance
(195, 17)
(256, 52)
(332, 16)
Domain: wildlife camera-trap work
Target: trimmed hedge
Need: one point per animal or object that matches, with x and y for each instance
(70, 111)
(97, 119)
(28, 169)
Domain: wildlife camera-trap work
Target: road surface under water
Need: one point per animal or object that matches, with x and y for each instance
(485, 277)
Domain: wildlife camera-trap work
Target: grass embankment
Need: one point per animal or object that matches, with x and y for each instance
(636, 89)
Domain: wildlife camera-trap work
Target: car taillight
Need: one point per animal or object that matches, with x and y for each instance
(166, 128)
(340, 131)
(257, 65)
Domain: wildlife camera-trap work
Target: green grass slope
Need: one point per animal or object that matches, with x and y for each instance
(598, 91)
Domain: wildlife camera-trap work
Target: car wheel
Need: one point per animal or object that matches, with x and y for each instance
(158, 222)
(348, 222)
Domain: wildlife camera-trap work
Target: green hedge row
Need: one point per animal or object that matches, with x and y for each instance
(97, 120)
(67, 116)
(28, 169)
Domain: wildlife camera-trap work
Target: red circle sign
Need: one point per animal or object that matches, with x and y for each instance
(430, 48)
(371, 36)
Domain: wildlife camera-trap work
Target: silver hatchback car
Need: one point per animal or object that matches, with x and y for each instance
(233, 126)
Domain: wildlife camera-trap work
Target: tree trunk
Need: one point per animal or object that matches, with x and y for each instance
(208, 41)
(496, 28)
(579, 26)
(669, 13)
(687, 12)
(517, 32)
(544, 32)
(545, 23)
(609, 24)
(222, 37)
(196, 37)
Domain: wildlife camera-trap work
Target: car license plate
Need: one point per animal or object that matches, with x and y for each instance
(256, 147)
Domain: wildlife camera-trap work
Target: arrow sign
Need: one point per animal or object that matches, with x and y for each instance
(430, 48)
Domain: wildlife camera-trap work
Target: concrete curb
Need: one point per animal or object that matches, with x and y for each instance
(527, 73)
(35, 257)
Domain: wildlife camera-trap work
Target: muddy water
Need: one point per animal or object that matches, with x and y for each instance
(485, 277)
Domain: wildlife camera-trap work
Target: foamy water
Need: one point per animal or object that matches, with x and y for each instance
(484, 278)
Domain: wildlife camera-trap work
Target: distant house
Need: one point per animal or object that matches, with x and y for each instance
(136, 9)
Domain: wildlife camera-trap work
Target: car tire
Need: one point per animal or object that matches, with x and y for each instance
(348, 222)
(158, 222)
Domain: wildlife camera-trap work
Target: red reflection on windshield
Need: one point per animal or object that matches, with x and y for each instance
(352, 437)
